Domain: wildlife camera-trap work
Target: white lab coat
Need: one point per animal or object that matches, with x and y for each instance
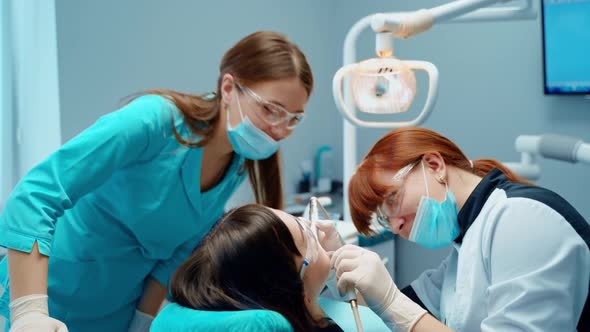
(522, 263)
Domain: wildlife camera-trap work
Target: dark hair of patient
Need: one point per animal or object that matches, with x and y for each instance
(245, 262)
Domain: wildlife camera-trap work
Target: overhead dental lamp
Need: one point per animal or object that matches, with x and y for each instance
(386, 84)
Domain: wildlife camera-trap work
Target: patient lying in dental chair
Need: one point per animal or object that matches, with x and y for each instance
(257, 258)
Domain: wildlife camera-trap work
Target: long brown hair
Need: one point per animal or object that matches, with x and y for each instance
(259, 57)
(397, 149)
(247, 261)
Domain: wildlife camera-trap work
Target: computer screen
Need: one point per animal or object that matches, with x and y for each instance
(566, 46)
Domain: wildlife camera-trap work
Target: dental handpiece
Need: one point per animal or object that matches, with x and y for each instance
(314, 215)
(357, 318)
(350, 297)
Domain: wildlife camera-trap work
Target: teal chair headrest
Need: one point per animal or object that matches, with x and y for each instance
(175, 318)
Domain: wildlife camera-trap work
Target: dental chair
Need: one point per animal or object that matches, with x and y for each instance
(180, 319)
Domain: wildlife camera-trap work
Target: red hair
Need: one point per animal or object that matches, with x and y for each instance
(399, 148)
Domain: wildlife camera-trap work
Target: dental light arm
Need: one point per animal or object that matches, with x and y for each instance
(404, 25)
(563, 148)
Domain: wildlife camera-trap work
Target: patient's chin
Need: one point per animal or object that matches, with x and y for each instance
(312, 291)
(316, 276)
(314, 308)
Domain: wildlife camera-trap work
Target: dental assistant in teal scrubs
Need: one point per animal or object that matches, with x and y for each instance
(95, 230)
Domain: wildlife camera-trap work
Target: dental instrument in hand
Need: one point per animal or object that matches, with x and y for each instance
(315, 207)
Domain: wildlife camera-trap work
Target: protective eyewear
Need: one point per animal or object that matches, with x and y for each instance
(311, 241)
(391, 206)
(272, 113)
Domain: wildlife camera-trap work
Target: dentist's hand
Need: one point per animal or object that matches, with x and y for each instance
(331, 240)
(363, 269)
(29, 314)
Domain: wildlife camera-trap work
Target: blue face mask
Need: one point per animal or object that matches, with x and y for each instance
(436, 224)
(250, 141)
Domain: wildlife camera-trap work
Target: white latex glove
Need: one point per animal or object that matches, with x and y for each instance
(30, 314)
(141, 322)
(363, 269)
(331, 241)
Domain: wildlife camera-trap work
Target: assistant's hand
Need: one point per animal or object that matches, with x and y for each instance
(37, 322)
(331, 241)
(30, 314)
(363, 269)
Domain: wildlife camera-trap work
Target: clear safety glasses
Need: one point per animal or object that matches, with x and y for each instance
(392, 204)
(311, 241)
(272, 113)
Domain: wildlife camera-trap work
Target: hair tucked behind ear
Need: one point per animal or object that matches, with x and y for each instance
(247, 261)
(397, 149)
(259, 57)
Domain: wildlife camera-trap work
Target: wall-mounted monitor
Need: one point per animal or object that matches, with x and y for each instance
(566, 46)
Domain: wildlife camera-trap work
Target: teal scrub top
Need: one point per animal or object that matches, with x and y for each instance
(117, 204)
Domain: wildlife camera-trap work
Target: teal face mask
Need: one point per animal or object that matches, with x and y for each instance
(250, 141)
(436, 224)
